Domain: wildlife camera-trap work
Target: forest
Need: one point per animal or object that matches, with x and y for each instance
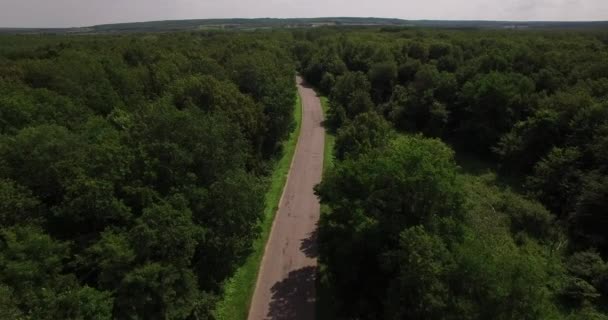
(471, 172)
(469, 176)
(133, 169)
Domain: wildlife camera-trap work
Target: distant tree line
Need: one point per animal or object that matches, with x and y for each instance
(133, 169)
(408, 235)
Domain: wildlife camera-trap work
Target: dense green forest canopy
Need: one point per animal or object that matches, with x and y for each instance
(133, 169)
(407, 233)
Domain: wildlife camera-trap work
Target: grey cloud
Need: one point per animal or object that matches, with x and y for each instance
(65, 13)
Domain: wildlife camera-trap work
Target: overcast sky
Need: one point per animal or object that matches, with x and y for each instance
(68, 13)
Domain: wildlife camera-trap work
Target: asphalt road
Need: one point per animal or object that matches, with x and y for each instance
(285, 287)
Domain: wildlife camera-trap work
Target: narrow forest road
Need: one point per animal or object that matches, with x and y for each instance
(285, 287)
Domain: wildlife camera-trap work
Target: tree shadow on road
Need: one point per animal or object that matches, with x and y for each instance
(293, 298)
(309, 245)
(305, 84)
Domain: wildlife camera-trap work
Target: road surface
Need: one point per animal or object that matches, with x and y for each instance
(285, 288)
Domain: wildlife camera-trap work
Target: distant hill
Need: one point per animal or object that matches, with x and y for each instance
(266, 23)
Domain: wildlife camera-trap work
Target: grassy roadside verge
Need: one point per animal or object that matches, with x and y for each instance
(325, 302)
(328, 155)
(238, 290)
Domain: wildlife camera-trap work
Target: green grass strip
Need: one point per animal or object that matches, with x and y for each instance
(238, 290)
(328, 155)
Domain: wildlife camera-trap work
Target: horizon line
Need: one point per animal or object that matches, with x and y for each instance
(320, 17)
